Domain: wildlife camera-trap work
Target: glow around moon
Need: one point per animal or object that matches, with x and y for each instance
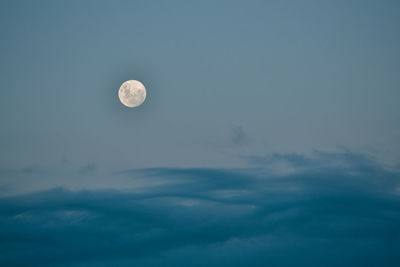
(132, 93)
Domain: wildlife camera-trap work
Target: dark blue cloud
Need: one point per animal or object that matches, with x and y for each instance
(344, 214)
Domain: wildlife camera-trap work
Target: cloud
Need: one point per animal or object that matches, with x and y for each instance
(345, 211)
(318, 160)
(88, 168)
(239, 136)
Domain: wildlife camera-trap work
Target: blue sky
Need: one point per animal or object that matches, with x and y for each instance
(296, 77)
(257, 103)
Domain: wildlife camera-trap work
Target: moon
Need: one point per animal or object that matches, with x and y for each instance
(132, 93)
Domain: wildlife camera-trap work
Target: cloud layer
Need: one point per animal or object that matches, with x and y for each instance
(337, 210)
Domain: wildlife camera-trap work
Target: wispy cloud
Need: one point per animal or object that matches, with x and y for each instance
(88, 168)
(239, 136)
(337, 214)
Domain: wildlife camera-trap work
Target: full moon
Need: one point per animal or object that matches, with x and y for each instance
(132, 93)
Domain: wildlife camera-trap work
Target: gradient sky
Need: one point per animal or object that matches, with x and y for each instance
(237, 91)
(294, 77)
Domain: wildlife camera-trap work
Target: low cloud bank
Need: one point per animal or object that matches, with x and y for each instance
(337, 210)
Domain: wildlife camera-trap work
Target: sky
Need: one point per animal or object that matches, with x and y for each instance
(269, 135)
